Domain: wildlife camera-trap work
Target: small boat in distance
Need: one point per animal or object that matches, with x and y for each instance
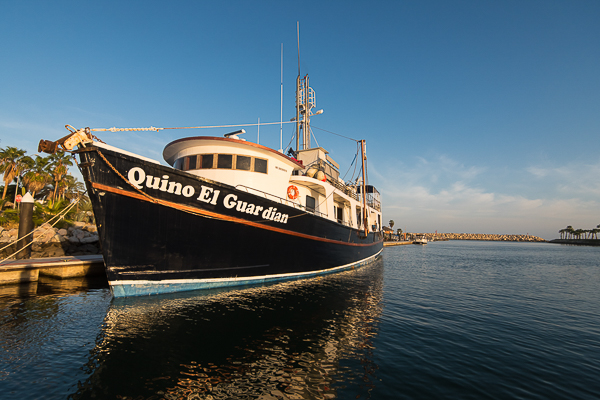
(420, 239)
(225, 211)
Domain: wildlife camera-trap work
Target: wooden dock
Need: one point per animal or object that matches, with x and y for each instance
(400, 243)
(18, 271)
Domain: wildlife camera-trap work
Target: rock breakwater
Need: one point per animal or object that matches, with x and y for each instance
(79, 239)
(482, 236)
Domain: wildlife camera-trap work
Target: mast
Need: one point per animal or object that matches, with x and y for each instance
(306, 119)
(364, 187)
(298, 112)
(281, 106)
(306, 100)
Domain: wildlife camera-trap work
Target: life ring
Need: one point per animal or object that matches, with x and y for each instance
(293, 192)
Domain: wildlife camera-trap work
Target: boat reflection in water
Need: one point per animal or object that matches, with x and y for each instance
(302, 339)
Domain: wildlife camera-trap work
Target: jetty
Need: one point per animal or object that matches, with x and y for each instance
(431, 237)
(29, 270)
(577, 242)
(397, 243)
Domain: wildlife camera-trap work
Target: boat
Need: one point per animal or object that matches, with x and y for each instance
(420, 239)
(225, 211)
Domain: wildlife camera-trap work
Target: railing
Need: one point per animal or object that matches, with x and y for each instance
(376, 204)
(281, 200)
(332, 180)
(343, 188)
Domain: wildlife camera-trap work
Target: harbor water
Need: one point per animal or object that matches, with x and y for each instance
(450, 320)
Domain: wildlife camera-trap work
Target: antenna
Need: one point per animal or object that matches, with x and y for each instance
(298, 33)
(298, 92)
(281, 106)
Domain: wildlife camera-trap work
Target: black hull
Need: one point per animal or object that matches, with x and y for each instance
(154, 241)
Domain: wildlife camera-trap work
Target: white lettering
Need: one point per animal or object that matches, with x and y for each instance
(188, 191)
(205, 194)
(174, 187)
(150, 184)
(267, 213)
(230, 201)
(136, 176)
(163, 184)
(215, 197)
(241, 206)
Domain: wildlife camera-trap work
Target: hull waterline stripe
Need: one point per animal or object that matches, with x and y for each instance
(245, 278)
(211, 214)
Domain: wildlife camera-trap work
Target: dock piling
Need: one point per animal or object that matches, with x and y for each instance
(25, 227)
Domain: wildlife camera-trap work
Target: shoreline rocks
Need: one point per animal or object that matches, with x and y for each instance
(79, 239)
(480, 236)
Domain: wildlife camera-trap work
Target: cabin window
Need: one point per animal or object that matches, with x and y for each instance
(260, 165)
(178, 164)
(206, 161)
(310, 203)
(190, 163)
(224, 161)
(339, 213)
(243, 163)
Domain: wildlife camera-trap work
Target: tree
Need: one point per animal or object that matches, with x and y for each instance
(71, 188)
(37, 175)
(59, 163)
(391, 223)
(569, 231)
(11, 164)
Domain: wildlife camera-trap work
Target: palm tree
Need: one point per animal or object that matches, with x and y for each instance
(38, 175)
(59, 163)
(569, 231)
(391, 223)
(11, 165)
(71, 188)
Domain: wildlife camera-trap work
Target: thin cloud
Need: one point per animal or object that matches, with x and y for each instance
(457, 201)
(572, 179)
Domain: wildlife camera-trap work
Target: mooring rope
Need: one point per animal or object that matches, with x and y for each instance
(60, 215)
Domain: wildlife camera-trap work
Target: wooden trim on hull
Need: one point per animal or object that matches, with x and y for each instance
(224, 217)
(127, 288)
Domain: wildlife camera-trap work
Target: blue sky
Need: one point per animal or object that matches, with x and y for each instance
(480, 116)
